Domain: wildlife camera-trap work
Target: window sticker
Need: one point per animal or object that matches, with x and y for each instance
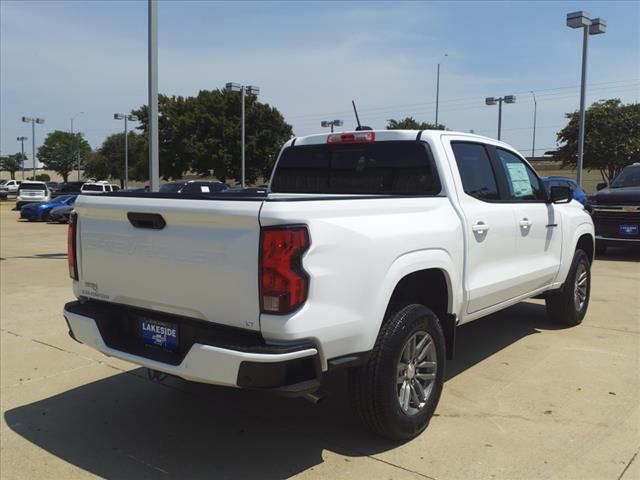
(519, 180)
(204, 189)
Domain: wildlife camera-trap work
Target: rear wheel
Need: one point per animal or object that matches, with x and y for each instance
(396, 392)
(569, 305)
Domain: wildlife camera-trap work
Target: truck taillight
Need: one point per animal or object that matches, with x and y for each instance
(72, 259)
(283, 282)
(351, 137)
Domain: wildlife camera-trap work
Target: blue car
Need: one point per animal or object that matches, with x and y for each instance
(578, 193)
(40, 211)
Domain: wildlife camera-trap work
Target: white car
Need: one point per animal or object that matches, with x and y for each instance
(12, 186)
(98, 187)
(366, 253)
(29, 192)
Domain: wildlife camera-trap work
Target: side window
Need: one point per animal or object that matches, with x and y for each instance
(478, 179)
(522, 183)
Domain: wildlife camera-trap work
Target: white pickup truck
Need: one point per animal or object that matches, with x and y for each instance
(367, 251)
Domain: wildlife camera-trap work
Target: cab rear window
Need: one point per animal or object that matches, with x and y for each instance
(382, 168)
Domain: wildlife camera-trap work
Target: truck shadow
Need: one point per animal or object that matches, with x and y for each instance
(126, 426)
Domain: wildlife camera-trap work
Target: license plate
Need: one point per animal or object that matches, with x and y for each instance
(628, 229)
(159, 334)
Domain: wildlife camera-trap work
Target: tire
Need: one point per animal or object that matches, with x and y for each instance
(601, 249)
(569, 305)
(375, 387)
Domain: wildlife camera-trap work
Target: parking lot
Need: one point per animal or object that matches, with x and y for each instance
(524, 399)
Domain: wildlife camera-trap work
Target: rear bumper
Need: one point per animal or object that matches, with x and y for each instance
(292, 369)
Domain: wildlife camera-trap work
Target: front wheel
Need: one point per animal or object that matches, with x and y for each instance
(569, 305)
(396, 392)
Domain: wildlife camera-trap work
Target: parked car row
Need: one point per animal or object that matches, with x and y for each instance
(57, 209)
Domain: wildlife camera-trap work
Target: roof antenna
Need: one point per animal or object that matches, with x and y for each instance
(359, 127)
(355, 110)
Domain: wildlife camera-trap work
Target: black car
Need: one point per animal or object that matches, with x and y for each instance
(53, 186)
(193, 186)
(68, 188)
(616, 210)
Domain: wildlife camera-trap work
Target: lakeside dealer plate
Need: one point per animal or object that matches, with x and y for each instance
(159, 334)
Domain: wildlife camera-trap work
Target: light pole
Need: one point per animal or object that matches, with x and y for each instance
(499, 100)
(33, 121)
(244, 90)
(21, 140)
(331, 123)
(590, 26)
(126, 118)
(76, 153)
(438, 88)
(535, 113)
(154, 159)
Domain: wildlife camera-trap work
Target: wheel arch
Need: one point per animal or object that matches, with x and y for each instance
(427, 278)
(586, 243)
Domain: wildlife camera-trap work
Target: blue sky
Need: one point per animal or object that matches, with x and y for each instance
(310, 59)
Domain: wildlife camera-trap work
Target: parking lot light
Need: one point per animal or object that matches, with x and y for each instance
(244, 90)
(33, 121)
(126, 118)
(499, 100)
(595, 26)
(331, 123)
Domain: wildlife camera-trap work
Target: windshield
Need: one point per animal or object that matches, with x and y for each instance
(171, 187)
(63, 199)
(400, 167)
(629, 177)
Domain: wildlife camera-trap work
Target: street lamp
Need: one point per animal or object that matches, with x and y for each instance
(331, 123)
(244, 90)
(126, 118)
(499, 100)
(438, 88)
(76, 153)
(21, 140)
(33, 121)
(590, 26)
(535, 113)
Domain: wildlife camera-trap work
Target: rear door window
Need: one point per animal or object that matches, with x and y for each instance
(476, 172)
(387, 168)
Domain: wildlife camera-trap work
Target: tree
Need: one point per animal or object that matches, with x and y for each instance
(12, 163)
(611, 140)
(60, 152)
(410, 123)
(109, 161)
(97, 166)
(202, 134)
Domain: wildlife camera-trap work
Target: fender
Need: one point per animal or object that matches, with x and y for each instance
(411, 262)
(569, 247)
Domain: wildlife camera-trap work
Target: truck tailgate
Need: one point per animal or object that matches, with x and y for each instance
(202, 264)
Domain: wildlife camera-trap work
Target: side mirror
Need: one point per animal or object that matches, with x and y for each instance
(601, 185)
(560, 194)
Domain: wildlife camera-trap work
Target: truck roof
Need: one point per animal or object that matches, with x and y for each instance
(389, 135)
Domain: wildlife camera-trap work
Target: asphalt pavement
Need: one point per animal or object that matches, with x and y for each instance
(523, 399)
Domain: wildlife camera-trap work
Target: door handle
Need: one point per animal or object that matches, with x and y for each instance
(480, 228)
(525, 223)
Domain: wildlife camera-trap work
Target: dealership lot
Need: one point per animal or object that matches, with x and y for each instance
(523, 398)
